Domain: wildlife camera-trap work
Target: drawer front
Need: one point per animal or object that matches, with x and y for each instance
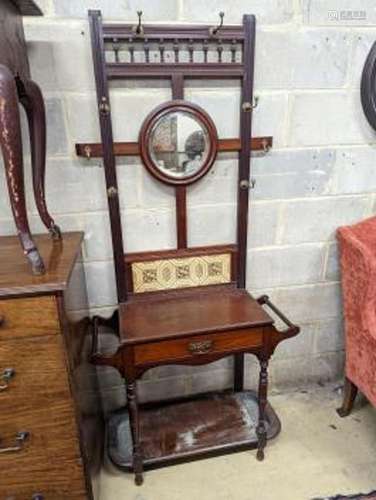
(28, 317)
(48, 461)
(197, 346)
(37, 400)
(32, 374)
(21, 480)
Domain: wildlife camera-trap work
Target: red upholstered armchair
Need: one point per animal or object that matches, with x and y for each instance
(358, 269)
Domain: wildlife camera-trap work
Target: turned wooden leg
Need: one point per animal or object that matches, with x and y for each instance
(262, 401)
(32, 100)
(349, 394)
(134, 420)
(11, 146)
(238, 372)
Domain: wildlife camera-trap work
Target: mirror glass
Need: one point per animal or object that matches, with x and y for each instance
(179, 144)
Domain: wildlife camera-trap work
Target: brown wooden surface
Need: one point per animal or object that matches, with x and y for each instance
(181, 216)
(15, 276)
(216, 422)
(35, 361)
(165, 318)
(95, 150)
(77, 330)
(172, 32)
(180, 349)
(104, 114)
(38, 400)
(12, 40)
(246, 112)
(28, 317)
(181, 252)
(53, 394)
(27, 7)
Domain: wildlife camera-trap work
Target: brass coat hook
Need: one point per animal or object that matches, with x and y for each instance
(139, 30)
(247, 106)
(214, 30)
(265, 146)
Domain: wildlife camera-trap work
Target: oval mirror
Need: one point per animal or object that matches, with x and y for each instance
(178, 142)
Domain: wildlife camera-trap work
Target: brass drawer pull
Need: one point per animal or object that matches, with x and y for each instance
(201, 347)
(20, 439)
(5, 377)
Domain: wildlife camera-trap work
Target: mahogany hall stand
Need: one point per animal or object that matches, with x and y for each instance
(188, 305)
(16, 86)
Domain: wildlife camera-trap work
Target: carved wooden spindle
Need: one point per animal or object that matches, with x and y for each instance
(176, 50)
(219, 50)
(206, 50)
(116, 48)
(11, 146)
(134, 419)
(262, 401)
(191, 50)
(147, 50)
(131, 49)
(233, 51)
(161, 48)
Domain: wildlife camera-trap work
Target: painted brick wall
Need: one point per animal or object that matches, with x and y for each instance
(320, 174)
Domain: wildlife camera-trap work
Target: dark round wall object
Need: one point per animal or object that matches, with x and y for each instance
(368, 87)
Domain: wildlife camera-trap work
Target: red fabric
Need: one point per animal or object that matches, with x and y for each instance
(358, 270)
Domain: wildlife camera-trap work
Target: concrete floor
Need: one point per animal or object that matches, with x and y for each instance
(316, 454)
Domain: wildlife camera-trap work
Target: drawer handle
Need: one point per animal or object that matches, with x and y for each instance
(20, 439)
(5, 377)
(201, 347)
(2, 320)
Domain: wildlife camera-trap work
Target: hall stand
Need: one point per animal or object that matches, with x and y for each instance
(188, 305)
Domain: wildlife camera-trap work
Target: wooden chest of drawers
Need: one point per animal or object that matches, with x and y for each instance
(50, 420)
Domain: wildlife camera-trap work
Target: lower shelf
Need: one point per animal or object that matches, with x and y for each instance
(190, 429)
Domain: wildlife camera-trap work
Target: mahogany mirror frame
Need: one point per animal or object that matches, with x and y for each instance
(201, 117)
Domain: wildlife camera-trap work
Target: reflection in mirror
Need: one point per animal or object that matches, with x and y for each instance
(179, 144)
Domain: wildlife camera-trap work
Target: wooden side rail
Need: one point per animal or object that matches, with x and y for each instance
(95, 150)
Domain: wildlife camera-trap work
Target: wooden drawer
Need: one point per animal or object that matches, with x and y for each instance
(40, 377)
(38, 401)
(22, 477)
(28, 317)
(49, 461)
(198, 346)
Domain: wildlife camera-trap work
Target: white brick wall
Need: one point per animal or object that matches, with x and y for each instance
(320, 174)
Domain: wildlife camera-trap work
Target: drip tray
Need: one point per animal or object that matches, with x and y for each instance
(189, 429)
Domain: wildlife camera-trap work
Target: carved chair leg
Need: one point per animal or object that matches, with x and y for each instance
(134, 419)
(32, 100)
(349, 394)
(262, 401)
(11, 146)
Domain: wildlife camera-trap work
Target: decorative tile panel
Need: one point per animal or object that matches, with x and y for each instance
(184, 272)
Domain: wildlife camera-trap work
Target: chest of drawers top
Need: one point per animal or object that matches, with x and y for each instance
(16, 279)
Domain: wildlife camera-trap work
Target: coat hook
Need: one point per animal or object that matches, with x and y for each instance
(87, 150)
(247, 106)
(139, 30)
(214, 30)
(265, 146)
